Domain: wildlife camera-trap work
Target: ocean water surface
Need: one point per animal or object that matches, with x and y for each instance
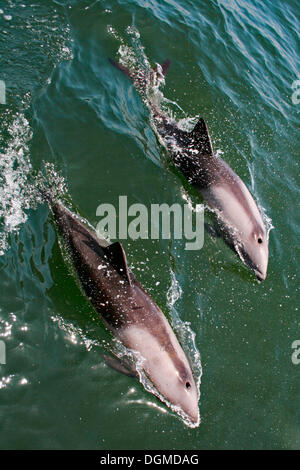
(233, 62)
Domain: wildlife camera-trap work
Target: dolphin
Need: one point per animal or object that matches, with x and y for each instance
(237, 216)
(129, 312)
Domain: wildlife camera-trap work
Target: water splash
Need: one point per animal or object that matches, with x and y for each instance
(148, 78)
(75, 334)
(186, 335)
(21, 187)
(15, 168)
(48, 185)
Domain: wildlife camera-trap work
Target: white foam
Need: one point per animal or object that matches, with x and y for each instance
(14, 169)
(74, 334)
(186, 335)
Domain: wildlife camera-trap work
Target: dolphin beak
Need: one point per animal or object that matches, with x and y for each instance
(259, 276)
(193, 413)
(196, 418)
(260, 271)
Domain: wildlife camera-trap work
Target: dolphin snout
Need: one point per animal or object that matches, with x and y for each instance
(256, 261)
(259, 275)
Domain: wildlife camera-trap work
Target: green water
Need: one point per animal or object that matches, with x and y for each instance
(234, 63)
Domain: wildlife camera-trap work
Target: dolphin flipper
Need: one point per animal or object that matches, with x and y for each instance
(120, 67)
(212, 230)
(119, 366)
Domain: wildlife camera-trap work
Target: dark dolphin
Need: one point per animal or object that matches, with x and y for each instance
(237, 215)
(129, 312)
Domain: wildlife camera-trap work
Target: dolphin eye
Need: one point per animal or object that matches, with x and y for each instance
(259, 240)
(188, 385)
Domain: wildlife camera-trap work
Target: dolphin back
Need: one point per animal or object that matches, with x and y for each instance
(101, 269)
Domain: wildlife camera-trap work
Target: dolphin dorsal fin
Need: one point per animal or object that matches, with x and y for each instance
(116, 256)
(201, 135)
